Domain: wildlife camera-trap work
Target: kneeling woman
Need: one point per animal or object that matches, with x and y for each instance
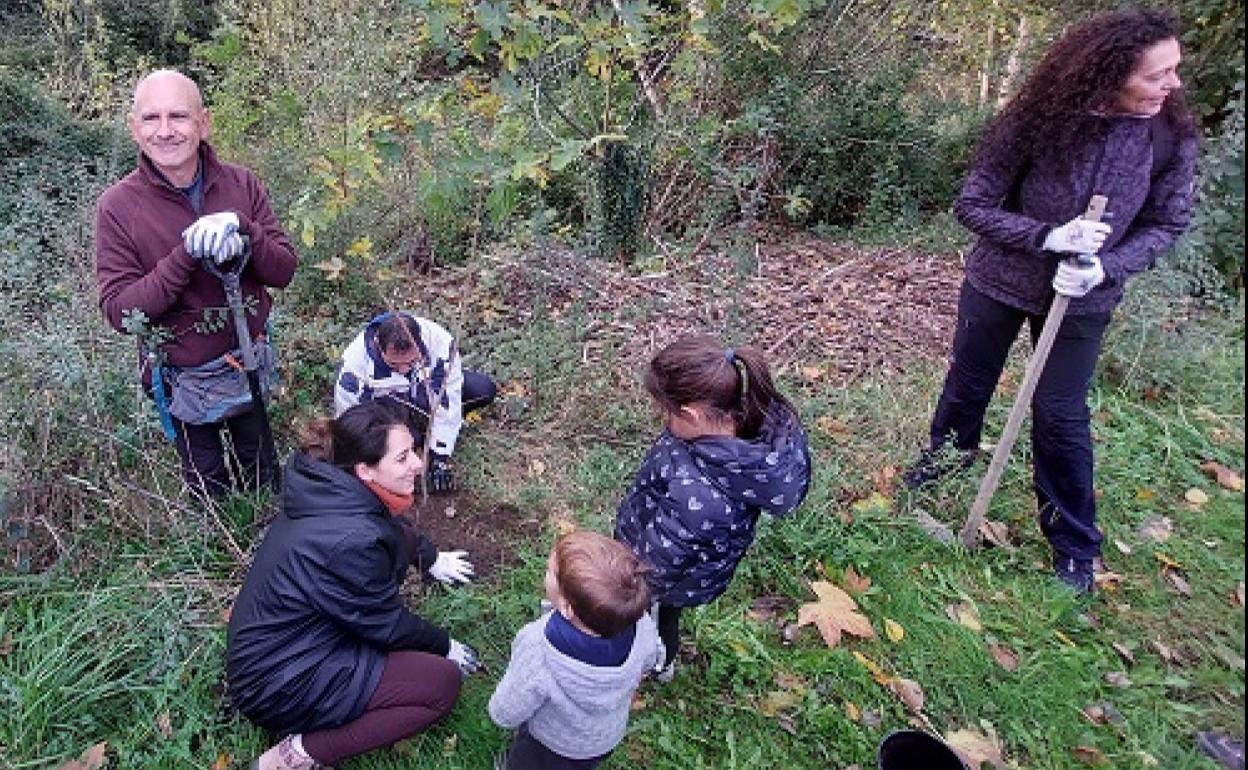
(320, 647)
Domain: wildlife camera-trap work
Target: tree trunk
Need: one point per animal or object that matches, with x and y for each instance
(1013, 64)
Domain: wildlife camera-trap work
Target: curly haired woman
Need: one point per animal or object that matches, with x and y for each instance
(1102, 114)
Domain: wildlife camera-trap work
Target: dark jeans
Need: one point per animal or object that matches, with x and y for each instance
(668, 622)
(208, 466)
(1061, 438)
(528, 753)
(416, 690)
(478, 391)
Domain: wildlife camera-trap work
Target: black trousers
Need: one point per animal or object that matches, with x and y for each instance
(668, 622)
(528, 753)
(1061, 437)
(210, 467)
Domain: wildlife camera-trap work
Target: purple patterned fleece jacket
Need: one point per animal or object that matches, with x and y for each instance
(1012, 202)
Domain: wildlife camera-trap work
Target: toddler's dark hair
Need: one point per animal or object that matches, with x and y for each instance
(603, 581)
(734, 382)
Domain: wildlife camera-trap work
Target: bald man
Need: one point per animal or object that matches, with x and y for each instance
(154, 232)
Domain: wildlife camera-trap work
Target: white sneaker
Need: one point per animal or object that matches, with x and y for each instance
(664, 674)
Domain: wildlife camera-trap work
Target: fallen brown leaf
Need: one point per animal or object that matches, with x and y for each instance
(1106, 580)
(790, 682)
(997, 533)
(1122, 547)
(1196, 496)
(1157, 528)
(1168, 653)
(1089, 755)
(851, 711)
(1004, 656)
(6, 642)
(91, 759)
(833, 613)
(164, 725)
(1238, 596)
(1226, 478)
(964, 613)
(976, 748)
(765, 609)
(855, 583)
(1124, 652)
(777, 701)
(1177, 582)
(910, 693)
(1117, 679)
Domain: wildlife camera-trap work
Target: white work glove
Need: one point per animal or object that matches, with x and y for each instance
(463, 656)
(451, 567)
(1074, 279)
(1078, 236)
(210, 235)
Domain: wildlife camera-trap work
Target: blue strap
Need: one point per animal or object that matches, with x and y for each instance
(162, 401)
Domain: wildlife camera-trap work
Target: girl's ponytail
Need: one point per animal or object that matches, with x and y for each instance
(735, 382)
(758, 392)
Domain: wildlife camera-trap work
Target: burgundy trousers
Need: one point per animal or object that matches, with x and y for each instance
(416, 690)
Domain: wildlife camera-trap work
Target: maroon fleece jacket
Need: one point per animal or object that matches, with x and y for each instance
(140, 261)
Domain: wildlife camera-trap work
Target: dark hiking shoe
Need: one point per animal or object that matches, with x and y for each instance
(1223, 749)
(1076, 573)
(934, 464)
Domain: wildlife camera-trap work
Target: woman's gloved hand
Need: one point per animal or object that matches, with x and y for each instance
(463, 656)
(1078, 236)
(1076, 278)
(451, 568)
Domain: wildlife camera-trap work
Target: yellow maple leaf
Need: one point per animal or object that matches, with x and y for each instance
(833, 613)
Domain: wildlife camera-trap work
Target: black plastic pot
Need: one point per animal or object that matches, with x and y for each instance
(916, 750)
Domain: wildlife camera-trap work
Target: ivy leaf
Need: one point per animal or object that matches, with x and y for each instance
(833, 613)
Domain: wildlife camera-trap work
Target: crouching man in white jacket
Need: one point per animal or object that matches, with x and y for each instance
(411, 360)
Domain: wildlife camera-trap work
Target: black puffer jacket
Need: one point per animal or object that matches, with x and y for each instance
(320, 606)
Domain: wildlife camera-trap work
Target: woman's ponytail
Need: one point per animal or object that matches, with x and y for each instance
(316, 439)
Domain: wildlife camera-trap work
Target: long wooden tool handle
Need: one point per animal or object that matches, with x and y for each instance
(988, 487)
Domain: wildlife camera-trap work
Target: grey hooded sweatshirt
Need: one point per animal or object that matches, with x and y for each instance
(575, 709)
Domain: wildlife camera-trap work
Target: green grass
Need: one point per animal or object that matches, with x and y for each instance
(122, 639)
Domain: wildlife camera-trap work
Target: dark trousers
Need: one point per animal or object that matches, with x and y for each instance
(416, 690)
(1061, 438)
(668, 622)
(209, 466)
(478, 391)
(528, 753)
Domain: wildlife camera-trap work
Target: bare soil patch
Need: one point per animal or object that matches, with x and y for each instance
(490, 531)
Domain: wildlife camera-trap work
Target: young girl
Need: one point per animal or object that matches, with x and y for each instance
(733, 447)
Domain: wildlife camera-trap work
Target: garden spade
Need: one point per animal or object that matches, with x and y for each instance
(1000, 455)
(229, 275)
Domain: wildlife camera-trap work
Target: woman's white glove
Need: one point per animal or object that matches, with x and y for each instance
(1076, 278)
(214, 235)
(463, 656)
(1078, 236)
(451, 567)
